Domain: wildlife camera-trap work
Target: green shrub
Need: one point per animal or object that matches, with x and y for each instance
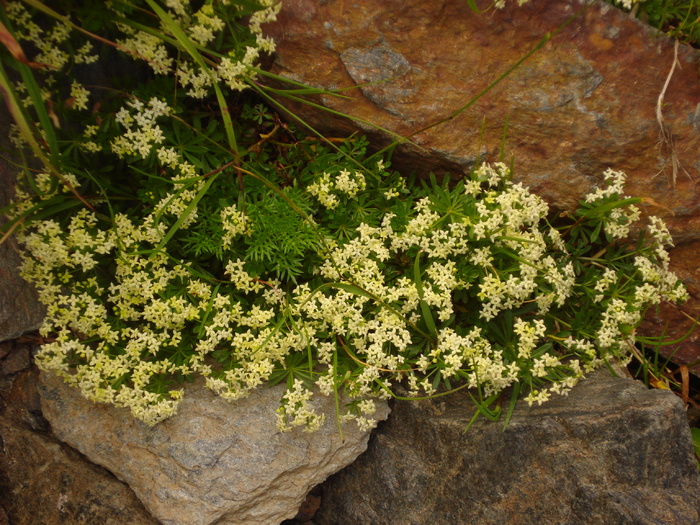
(177, 230)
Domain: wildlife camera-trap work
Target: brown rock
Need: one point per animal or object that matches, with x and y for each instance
(585, 101)
(16, 361)
(5, 348)
(582, 103)
(43, 481)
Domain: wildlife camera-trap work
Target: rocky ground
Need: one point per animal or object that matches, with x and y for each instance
(44, 481)
(612, 452)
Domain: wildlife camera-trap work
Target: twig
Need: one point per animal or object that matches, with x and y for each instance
(666, 138)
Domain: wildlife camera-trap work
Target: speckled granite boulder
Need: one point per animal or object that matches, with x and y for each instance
(213, 462)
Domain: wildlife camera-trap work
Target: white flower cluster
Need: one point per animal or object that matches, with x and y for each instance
(147, 47)
(142, 131)
(235, 223)
(47, 187)
(142, 137)
(628, 4)
(328, 187)
(201, 24)
(115, 339)
(657, 282)
(620, 219)
(505, 221)
(53, 54)
(232, 70)
(204, 31)
(295, 410)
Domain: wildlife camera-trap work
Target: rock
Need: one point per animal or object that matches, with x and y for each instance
(20, 310)
(213, 462)
(5, 348)
(582, 103)
(612, 452)
(43, 481)
(16, 361)
(19, 399)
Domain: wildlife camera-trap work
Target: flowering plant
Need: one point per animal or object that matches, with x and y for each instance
(169, 240)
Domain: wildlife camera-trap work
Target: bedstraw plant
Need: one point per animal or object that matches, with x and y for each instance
(176, 228)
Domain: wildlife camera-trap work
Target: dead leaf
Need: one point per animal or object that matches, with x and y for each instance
(685, 391)
(52, 114)
(655, 383)
(649, 200)
(9, 41)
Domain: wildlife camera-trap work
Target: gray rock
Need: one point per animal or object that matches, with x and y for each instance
(20, 310)
(612, 452)
(377, 70)
(213, 462)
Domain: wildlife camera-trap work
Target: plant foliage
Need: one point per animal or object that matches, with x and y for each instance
(178, 228)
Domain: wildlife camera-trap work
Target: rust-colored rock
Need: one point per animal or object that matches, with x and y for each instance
(582, 103)
(585, 101)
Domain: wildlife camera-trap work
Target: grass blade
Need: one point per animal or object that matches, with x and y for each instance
(185, 214)
(189, 46)
(425, 309)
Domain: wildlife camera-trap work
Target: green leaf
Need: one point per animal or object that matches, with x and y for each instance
(190, 47)
(425, 309)
(351, 288)
(185, 214)
(598, 211)
(511, 406)
(695, 432)
(482, 409)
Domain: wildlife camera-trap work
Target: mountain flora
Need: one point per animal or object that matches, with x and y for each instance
(179, 228)
(468, 285)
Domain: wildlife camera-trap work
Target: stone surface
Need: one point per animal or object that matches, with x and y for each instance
(43, 481)
(20, 310)
(213, 462)
(612, 452)
(582, 103)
